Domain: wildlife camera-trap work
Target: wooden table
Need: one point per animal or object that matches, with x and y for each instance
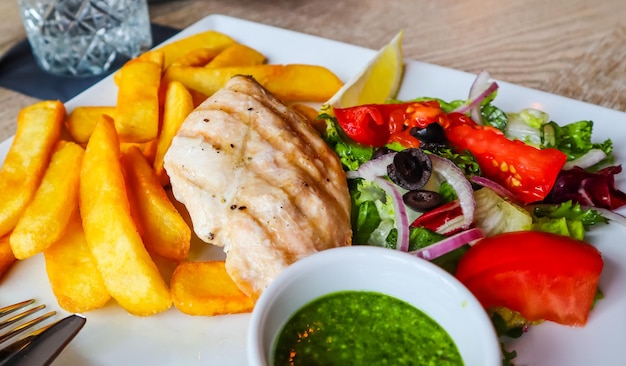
(574, 48)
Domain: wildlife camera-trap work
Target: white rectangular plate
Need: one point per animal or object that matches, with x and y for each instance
(113, 337)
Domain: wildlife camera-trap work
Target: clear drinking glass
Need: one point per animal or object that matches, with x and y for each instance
(83, 37)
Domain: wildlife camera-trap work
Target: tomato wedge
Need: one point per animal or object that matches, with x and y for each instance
(529, 173)
(380, 124)
(542, 276)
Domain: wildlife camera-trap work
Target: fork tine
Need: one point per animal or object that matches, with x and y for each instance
(15, 318)
(26, 325)
(11, 308)
(20, 344)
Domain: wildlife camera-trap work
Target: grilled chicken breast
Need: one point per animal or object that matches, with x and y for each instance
(259, 181)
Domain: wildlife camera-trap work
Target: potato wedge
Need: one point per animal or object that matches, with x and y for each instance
(46, 216)
(129, 273)
(208, 39)
(311, 114)
(197, 97)
(178, 105)
(165, 232)
(197, 57)
(74, 278)
(83, 119)
(6, 256)
(287, 82)
(204, 288)
(147, 148)
(156, 56)
(236, 55)
(137, 108)
(38, 128)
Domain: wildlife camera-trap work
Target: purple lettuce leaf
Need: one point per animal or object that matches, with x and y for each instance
(595, 189)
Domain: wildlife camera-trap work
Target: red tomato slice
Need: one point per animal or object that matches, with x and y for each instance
(526, 171)
(364, 124)
(380, 124)
(542, 276)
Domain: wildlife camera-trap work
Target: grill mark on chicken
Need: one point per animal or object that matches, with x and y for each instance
(298, 197)
(280, 143)
(313, 183)
(280, 138)
(266, 158)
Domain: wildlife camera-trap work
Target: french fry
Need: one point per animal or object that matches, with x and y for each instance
(6, 255)
(197, 57)
(83, 119)
(287, 82)
(147, 148)
(236, 55)
(178, 104)
(129, 273)
(133, 202)
(205, 288)
(165, 232)
(311, 114)
(197, 97)
(208, 39)
(156, 56)
(137, 109)
(38, 128)
(74, 278)
(46, 216)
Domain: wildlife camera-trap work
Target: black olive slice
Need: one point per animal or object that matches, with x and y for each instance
(422, 200)
(411, 169)
(380, 152)
(433, 133)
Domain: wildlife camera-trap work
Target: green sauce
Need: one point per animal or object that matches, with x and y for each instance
(363, 328)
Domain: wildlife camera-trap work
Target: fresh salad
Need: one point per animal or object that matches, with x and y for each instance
(501, 199)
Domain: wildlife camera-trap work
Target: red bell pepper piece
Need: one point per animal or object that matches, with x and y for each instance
(446, 219)
(529, 173)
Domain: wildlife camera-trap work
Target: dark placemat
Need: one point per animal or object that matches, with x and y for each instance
(19, 71)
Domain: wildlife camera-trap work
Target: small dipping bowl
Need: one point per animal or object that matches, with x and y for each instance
(366, 268)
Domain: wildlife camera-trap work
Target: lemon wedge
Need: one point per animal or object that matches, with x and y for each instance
(379, 81)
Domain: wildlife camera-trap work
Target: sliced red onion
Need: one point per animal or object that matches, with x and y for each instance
(448, 244)
(477, 86)
(481, 88)
(611, 215)
(474, 102)
(475, 109)
(399, 210)
(494, 186)
(373, 168)
(592, 157)
(583, 197)
(463, 188)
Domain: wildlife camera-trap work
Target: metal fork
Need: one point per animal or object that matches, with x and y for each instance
(15, 319)
(38, 347)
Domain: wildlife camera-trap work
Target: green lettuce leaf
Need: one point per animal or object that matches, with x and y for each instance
(561, 226)
(570, 211)
(494, 116)
(351, 154)
(372, 215)
(574, 139)
(566, 218)
(527, 125)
